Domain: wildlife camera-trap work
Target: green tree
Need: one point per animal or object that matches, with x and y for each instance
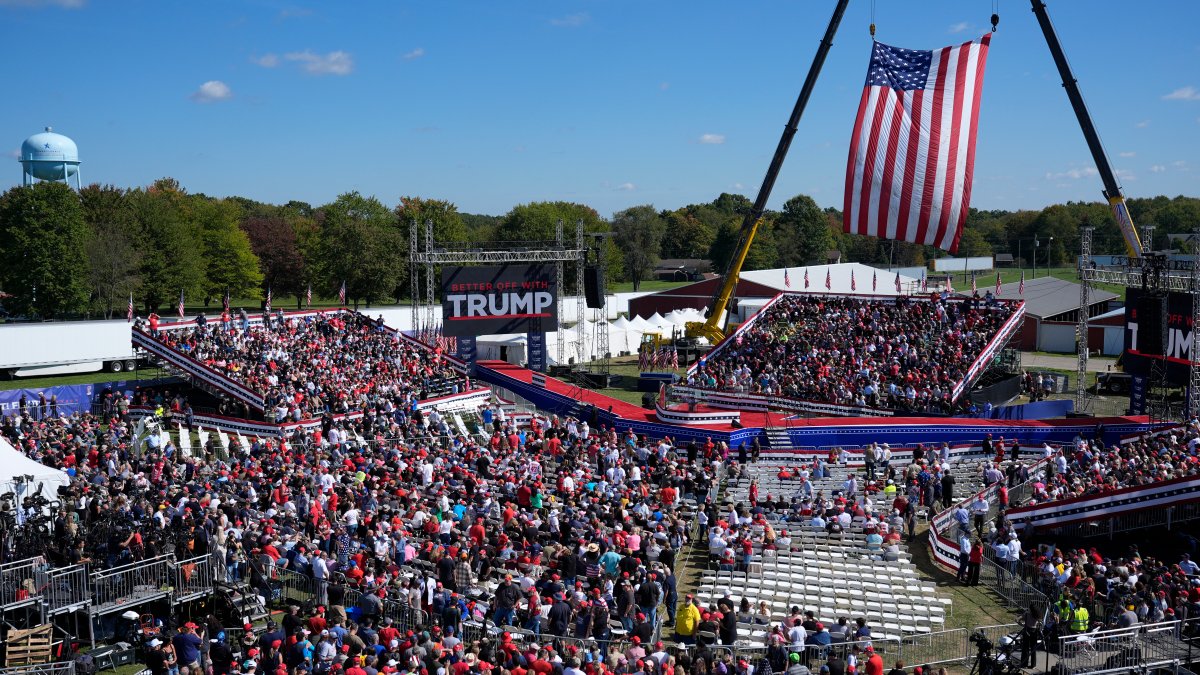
(114, 252)
(637, 233)
(536, 221)
(172, 258)
(230, 262)
(686, 236)
(448, 225)
(275, 242)
(359, 244)
(42, 250)
(802, 233)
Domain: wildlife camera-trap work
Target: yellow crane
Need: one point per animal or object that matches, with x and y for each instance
(713, 327)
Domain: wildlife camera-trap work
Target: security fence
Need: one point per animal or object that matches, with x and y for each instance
(1137, 648)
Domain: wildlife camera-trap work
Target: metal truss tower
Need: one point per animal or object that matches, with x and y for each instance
(1082, 402)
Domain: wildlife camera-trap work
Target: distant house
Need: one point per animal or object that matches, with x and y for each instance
(682, 269)
(1003, 260)
(1052, 310)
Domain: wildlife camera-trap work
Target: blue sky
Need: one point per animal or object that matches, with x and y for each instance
(612, 104)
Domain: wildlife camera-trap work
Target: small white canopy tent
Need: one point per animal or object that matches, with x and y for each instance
(22, 476)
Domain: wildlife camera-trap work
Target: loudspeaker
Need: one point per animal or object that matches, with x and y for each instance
(1151, 310)
(593, 287)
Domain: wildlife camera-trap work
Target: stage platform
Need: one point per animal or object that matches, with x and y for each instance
(784, 434)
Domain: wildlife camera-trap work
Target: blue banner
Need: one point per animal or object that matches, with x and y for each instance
(42, 402)
(535, 342)
(466, 352)
(1137, 395)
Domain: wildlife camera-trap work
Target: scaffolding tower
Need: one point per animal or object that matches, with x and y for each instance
(425, 308)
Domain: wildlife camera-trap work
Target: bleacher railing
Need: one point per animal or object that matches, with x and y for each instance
(193, 578)
(64, 668)
(66, 588)
(133, 584)
(13, 589)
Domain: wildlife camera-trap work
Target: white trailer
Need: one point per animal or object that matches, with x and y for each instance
(62, 347)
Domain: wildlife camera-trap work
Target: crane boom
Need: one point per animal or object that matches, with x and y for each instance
(712, 328)
(1112, 190)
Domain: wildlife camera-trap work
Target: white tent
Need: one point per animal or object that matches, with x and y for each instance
(640, 324)
(22, 476)
(621, 323)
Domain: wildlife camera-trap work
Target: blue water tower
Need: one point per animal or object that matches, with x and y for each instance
(50, 157)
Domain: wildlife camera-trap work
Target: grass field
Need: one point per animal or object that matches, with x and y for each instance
(81, 378)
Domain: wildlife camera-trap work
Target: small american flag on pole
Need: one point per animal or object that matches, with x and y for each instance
(129, 312)
(180, 306)
(1021, 286)
(342, 293)
(853, 285)
(308, 297)
(828, 280)
(787, 279)
(267, 305)
(912, 152)
(997, 283)
(874, 280)
(806, 277)
(974, 289)
(225, 301)
(897, 282)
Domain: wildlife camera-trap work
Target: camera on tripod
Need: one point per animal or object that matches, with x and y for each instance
(981, 642)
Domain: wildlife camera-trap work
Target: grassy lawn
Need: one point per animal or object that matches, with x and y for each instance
(81, 378)
(987, 280)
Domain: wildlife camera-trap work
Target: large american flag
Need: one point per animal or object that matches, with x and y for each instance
(912, 153)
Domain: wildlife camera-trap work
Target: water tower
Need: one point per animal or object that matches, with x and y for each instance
(51, 157)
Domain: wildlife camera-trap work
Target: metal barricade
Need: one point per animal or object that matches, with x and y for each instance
(63, 668)
(1009, 585)
(946, 646)
(132, 584)
(66, 588)
(193, 578)
(1122, 649)
(18, 582)
(296, 588)
(405, 617)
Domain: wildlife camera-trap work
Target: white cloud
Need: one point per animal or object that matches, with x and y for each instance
(1143, 124)
(1158, 168)
(571, 20)
(211, 92)
(1074, 174)
(1188, 93)
(15, 153)
(712, 139)
(738, 186)
(1127, 154)
(626, 187)
(64, 4)
(1180, 164)
(333, 63)
(266, 60)
(414, 54)
(958, 27)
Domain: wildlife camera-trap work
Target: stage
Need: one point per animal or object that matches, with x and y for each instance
(782, 433)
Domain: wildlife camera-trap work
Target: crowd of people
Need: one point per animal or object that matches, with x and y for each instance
(906, 354)
(557, 529)
(305, 367)
(1087, 468)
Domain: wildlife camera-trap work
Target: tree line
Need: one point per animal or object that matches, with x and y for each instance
(75, 254)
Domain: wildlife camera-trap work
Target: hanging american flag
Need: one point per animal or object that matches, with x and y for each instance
(1021, 286)
(787, 279)
(912, 152)
(997, 283)
(180, 306)
(342, 293)
(308, 297)
(897, 282)
(828, 281)
(806, 277)
(129, 312)
(874, 278)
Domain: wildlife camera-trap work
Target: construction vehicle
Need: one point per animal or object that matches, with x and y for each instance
(712, 329)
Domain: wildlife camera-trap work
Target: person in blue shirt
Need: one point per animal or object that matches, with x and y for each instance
(187, 646)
